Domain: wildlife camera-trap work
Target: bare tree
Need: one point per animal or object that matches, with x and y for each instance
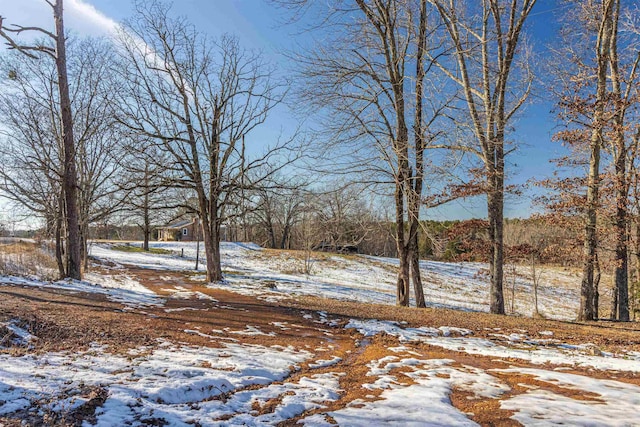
(33, 153)
(584, 107)
(342, 217)
(484, 41)
(58, 53)
(371, 80)
(197, 101)
(277, 212)
(624, 58)
(147, 198)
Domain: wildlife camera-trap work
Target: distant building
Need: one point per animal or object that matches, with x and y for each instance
(185, 230)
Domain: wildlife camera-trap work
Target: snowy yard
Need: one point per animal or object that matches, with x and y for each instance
(461, 286)
(235, 354)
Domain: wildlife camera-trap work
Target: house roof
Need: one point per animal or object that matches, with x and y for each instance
(179, 224)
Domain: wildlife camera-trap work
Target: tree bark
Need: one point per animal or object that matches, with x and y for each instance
(536, 311)
(621, 261)
(596, 285)
(634, 295)
(146, 227)
(70, 179)
(621, 311)
(211, 240)
(414, 257)
(84, 238)
(486, 93)
(146, 220)
(415, 187)
(272, 237)
(495, 204)
(587, 294)
(588, 310)
(59, 243)
(402, 292)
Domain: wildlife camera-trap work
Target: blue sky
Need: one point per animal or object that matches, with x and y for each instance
(259, 25)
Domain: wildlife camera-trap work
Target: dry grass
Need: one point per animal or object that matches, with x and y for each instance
(28, 259)
(131, 248)
(17, 247)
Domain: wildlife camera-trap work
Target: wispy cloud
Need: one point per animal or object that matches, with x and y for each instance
(85, 15)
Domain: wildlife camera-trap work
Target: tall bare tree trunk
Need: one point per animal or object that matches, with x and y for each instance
(483, 71)
(214, 266)
(70, 179)
(403, 187)
(588, 310)
(621, 311)
(415, 187)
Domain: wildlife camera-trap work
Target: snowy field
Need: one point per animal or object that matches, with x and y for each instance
(462, 286)
(231, 382)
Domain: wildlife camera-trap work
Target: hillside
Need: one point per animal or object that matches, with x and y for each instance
(144, 341)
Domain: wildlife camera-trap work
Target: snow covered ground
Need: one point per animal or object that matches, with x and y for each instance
(164, 383)
(118, 288)
(253, 271)
(186, 385)
(231, 382)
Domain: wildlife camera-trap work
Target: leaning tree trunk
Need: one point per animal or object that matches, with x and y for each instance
(69, 179)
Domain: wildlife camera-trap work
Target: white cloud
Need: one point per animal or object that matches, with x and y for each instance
(84, 15)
